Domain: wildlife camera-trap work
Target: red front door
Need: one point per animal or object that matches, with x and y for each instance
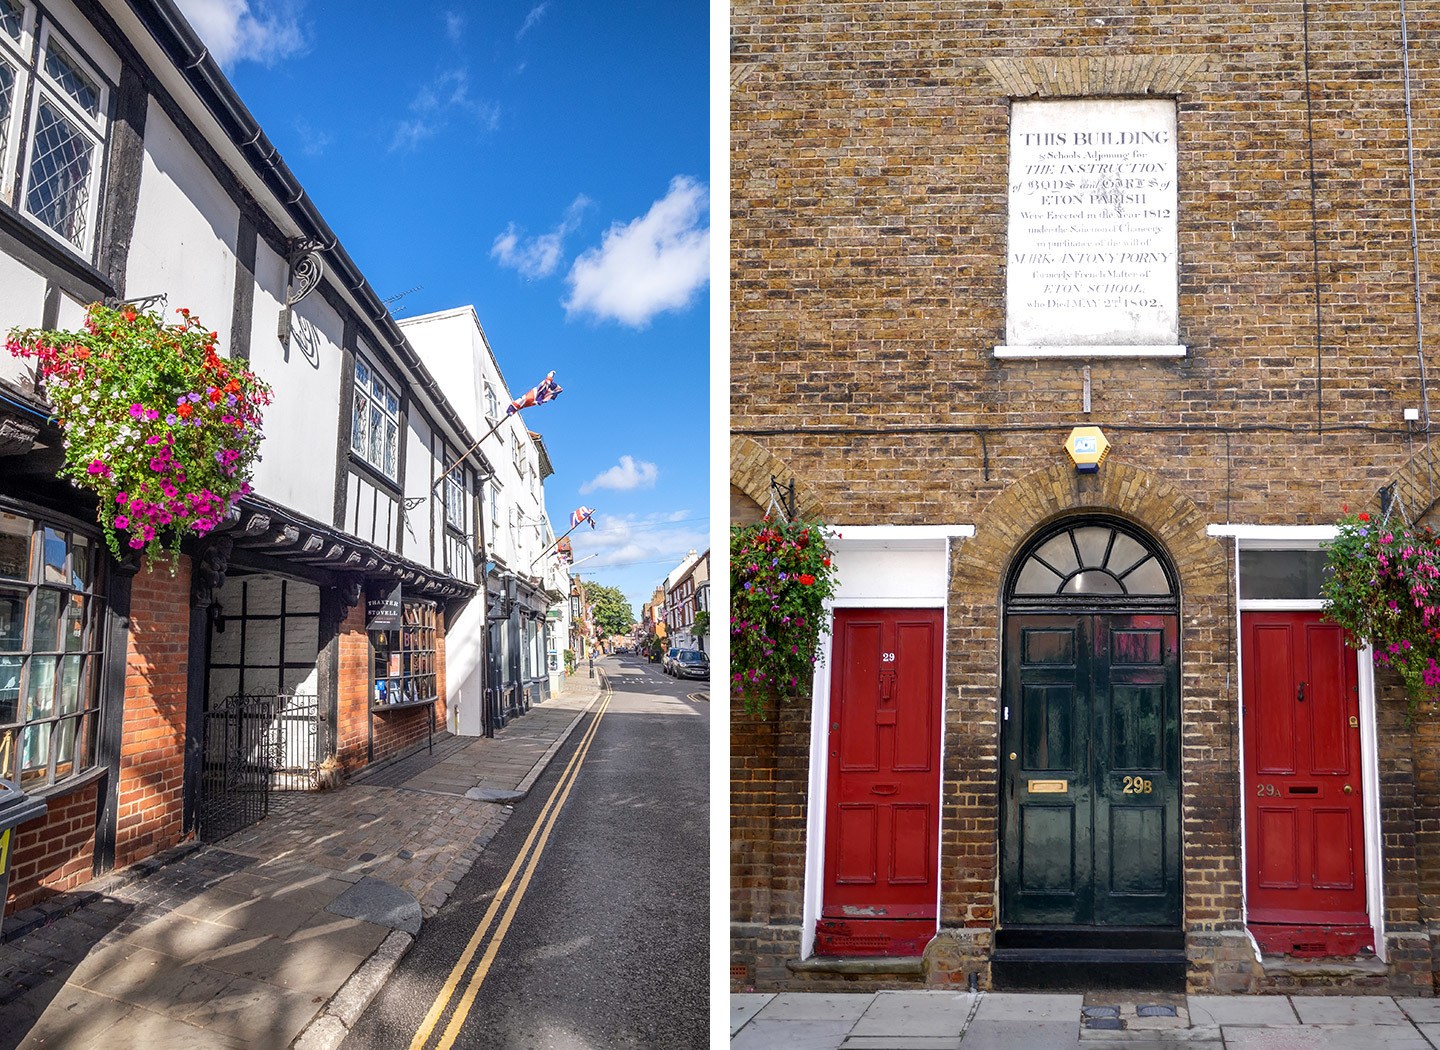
(882, 812)
(1304, 829)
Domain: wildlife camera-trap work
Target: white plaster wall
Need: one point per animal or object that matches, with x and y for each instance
(302, 424)
(464, 669)
(451, 346)
(22, 300)
(420, 469)
(185, 230)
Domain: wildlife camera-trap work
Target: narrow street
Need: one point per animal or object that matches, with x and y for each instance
(598, 935)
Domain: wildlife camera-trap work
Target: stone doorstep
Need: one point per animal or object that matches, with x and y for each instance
(859, 966)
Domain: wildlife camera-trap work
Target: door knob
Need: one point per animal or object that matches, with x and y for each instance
(1349, 790)
(1013, 756)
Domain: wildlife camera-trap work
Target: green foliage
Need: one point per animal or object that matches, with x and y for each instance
(1384, 588)
(162, 429)
(610, 609)
(781, 575)
(569, 661)
(701, 627)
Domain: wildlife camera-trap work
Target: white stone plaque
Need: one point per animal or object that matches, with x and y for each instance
(1091, 259)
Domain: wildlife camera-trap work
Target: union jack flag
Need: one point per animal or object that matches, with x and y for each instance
(548, 390)
(583, 514)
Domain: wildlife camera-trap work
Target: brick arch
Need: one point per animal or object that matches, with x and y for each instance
(1209, 763)
(752, 466)
(1031, 504)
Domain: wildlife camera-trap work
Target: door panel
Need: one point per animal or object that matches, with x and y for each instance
(1303, 799)
(1090, 800)
(882, 830)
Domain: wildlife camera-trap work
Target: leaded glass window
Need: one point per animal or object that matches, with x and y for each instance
(455, 499)
(1092, 560)
(58, 178)
(51, 650)
(375, 421)
(12, 18)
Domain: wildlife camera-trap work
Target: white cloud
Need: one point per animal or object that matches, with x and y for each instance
(626, 475)
(536, 13)
(654, 263)
(539, 256)
(236, 30)
(436, 103)
(454, 26)
(658, 541)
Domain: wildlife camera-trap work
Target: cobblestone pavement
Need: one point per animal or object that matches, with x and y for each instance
(283, 931)
(925, 1020)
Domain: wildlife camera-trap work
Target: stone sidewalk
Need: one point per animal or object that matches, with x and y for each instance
(1095, 1021)
(282, 933)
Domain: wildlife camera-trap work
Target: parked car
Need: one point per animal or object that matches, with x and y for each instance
(668, 663)
(691, 663)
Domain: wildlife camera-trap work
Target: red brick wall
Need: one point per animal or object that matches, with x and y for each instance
(55, 852)
(353, 703)
(152, 745)
(394, 731)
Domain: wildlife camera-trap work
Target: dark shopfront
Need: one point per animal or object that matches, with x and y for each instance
(516, 641)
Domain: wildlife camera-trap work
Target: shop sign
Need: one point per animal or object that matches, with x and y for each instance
(382, 607)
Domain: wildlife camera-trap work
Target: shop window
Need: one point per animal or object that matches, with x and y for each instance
(405, 659)
(53, 126)
(51, 649)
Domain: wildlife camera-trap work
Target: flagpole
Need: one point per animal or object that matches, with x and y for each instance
(589, 517)
(498, 424)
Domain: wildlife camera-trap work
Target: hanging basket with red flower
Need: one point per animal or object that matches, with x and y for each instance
(1383, 586)
(160, 427)
(781, 575)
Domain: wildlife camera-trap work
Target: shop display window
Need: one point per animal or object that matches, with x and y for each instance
(51, 633)
(404, 659)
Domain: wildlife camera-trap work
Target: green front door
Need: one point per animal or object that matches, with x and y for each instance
(1090, 770)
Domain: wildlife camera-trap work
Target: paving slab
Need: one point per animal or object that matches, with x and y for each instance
(791, 1035)
(1024, 1006)
(915, 1014)
(815, 1006)
(1154, 1041)
(1325, 1037)
(744, 1006)
(1022, 1035)
(1421, 1011)
(1431, 1031)
(1241, 1010)
(379, 902)
(902, 1042)
(1348, 1009)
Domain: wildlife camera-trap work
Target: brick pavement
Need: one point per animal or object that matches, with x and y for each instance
(267, 935)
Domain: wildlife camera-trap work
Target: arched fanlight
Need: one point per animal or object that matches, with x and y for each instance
(1090, 560)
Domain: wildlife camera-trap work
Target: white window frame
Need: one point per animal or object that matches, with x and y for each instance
(456, 490)
(492, 403)
(19, 55)
(367, 392)
(95, 129)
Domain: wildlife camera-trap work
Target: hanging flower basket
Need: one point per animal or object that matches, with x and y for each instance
(1383, 586)
(162, 429)
(781, 575)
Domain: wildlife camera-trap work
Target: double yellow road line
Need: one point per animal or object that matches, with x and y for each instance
(518, 880)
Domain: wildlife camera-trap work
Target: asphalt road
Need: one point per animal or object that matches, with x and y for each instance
(608, 947)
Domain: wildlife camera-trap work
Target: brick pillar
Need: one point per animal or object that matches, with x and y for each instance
(152, 742)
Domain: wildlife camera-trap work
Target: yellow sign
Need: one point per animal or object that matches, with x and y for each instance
(1049, 787)
(5, 850)
(1087, 449)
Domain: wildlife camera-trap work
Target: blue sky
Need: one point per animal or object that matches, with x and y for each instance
(549, 163)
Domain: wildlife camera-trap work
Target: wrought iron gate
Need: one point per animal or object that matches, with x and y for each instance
(253, 745)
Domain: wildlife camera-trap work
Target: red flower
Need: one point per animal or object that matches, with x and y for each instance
(806, 579)
(1363, 516)
(184, 410)
(129, 315)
